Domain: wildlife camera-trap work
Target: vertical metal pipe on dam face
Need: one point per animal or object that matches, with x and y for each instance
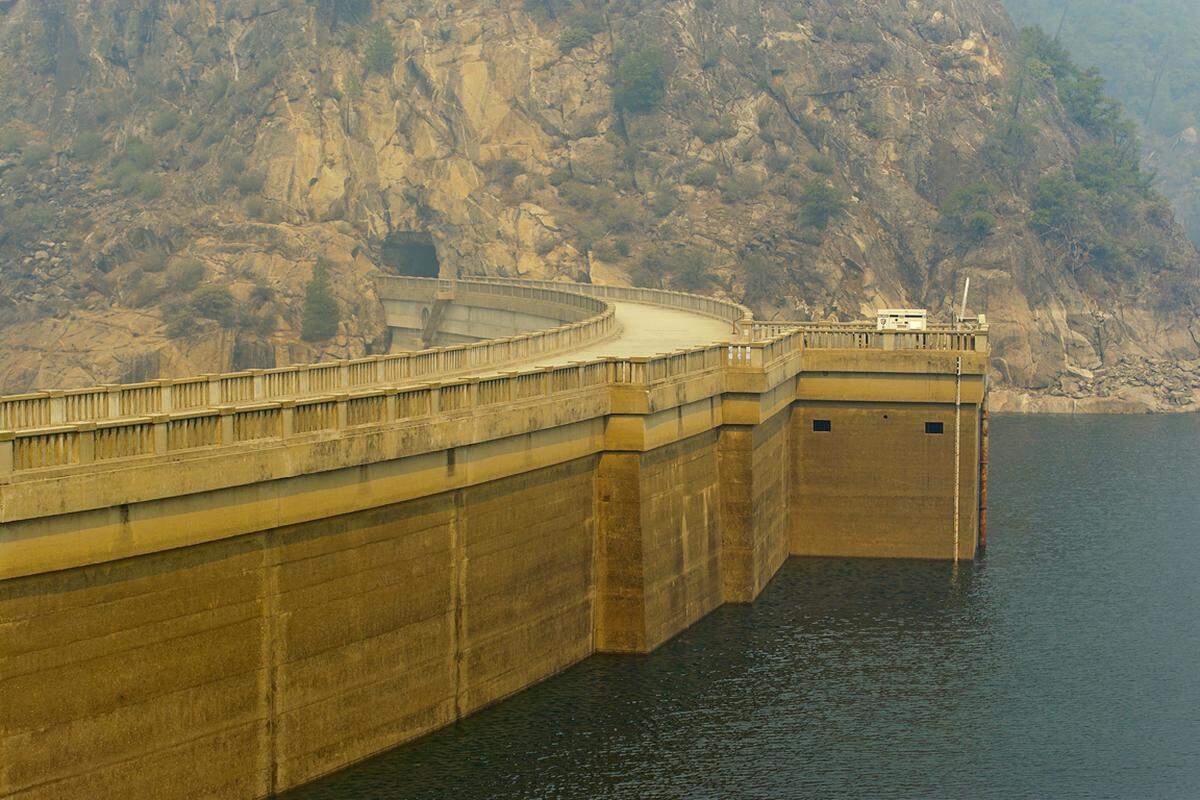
(957, 447)
(983, 474)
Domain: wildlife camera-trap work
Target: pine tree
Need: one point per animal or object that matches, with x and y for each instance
(321, 315)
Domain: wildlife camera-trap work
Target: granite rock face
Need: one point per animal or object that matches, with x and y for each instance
(490, 144)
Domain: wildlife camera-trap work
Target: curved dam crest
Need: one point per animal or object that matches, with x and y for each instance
(248, 581)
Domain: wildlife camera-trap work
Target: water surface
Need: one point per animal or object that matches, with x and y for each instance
(1065, 663)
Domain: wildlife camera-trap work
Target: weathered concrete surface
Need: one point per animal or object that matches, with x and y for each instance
(467, 314)
(877, 485)
(252, 664)
(755, 472)
(659, 543)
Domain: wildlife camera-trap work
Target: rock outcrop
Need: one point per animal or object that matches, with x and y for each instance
(796, 157)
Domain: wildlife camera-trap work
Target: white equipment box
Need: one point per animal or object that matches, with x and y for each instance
(901, 319)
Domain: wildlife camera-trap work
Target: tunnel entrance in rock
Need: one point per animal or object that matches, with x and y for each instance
(409, 253)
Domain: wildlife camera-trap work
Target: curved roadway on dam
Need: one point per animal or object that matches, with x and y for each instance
(647, 330)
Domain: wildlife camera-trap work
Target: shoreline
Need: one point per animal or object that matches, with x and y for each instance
(1010, 401)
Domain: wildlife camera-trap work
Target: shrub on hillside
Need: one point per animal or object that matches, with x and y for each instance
(764, 278)
(139, 154)
(24, 225)
(688, 269)
(1106, 169)
(150, 186)
(255, 208)
(824, 164)
(232, 170)
(146, 291)
(1009, 146)
(741, 187)
(215, 303)
(505, 170)
(179, 319)
(571, 38)
(664, 201)
(88, 146)
(640, 80)
(702, 176)
(334, 12)
(710, 129)
(184, 275)
(35, 154)
(164, 122)
(11, 140)
(251, 182)
(611, 249)
(380, 54)
(968, 211)
(819, 203)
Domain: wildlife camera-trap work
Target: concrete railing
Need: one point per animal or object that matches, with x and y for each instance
(735, 314)
(89, 443)
(105, 403)
(544, 299)
(865, 336)
(83, 444)
(266, 405)
(112, 402)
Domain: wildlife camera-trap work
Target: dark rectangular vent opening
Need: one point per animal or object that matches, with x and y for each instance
(822, 425)
(935, 427)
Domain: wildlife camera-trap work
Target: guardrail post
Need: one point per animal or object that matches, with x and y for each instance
(391, 403)
(435, 398)
(287, 418)
(256, 379)
(113, 405)
(166, 394)
(6, 452)
(473, 392)
(302, 378)
(639, 370)
(344, 375)
(342, 401)
(58, 407)
(226, 413)
(214, 389)
(159, 421)
(87, 442)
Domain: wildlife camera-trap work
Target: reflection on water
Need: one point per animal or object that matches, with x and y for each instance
(1061, 665)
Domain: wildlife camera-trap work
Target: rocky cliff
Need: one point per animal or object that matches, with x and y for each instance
(173, 172)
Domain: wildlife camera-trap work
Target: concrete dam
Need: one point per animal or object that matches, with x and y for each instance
(228, 585)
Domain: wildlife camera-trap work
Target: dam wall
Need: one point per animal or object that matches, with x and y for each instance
(251, 664)
(331, 576)
(473, 310)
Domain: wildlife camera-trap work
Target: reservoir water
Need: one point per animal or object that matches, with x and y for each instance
(1065, 663)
